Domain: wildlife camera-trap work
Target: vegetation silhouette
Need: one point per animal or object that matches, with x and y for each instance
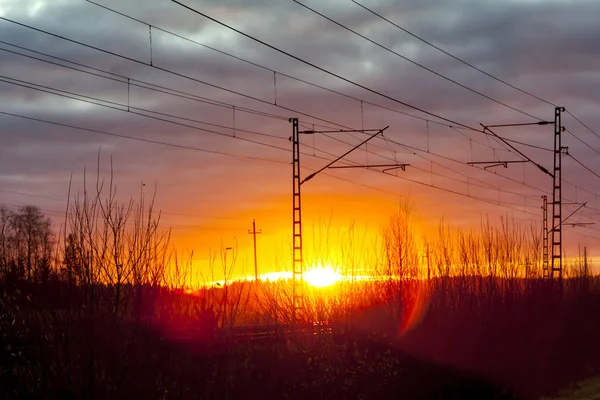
(103, 309)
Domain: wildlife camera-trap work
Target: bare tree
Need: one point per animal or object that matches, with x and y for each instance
(26, 244)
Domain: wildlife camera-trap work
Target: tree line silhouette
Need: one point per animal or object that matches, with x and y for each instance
(102, 307)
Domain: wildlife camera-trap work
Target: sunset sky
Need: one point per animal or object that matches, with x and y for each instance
(210, 192)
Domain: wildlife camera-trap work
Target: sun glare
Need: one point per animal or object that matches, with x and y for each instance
(321, 276)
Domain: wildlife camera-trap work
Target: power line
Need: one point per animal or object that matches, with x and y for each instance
(481, 184)
(345, 79)
(453, 56)
(136, 82)
(489, 145)
(489, 201)
(413, 62)
(325, 70)
(144, 140)
(141, 109)
(160, 142)
(161, 211)
(584, 125)
(490, 172)
(124, 136)
(583, 141)
(168, 71)
(259, 99)
(533, 146)
(259, 65)
(72, 96)
(130, 81)
(528, 145)
(583, 165)
(426, 201)
(179, 146)
(486, 186)
(149, 140)
(482, 199)
(182, 75)
(130, 223)
(414, 148)
(30, 195)
(127, 108)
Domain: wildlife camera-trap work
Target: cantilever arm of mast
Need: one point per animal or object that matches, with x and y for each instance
(310, 132)
(540, 167)
(497, 163)
(574, 224)
(569, 216)
(309, 177)
(522, 124)
(390, 166)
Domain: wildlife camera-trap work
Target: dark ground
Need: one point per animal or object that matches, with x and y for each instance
(519, 345)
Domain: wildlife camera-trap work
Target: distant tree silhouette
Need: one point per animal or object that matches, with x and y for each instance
(26, 244)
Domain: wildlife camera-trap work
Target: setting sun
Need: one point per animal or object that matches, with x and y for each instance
(321, 276)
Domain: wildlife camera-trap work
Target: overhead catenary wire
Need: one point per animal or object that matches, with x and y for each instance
(171, 116)
(414, 62)
(178, 146)
(478, 182)
(128, 106)
(102, 49)
(507, 205)
(583, 124)
(493, 202)
(16, 192)
(151, 141)
(469, 183)
(452, 55)
(263, 67)
(129, 223)
(543, 191)
(123, 108)
(144, 85)
(467, 195)
(142, 139)
(414, 181)
(584, 166)
(481, 183)
(326, 71)
(174, 73)
(434, 121)
(349, 80)
(583, 141)
(135, 82)
(158, 142)
(503, 204)
(540, 167)
(275, 72)
(191, 78)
